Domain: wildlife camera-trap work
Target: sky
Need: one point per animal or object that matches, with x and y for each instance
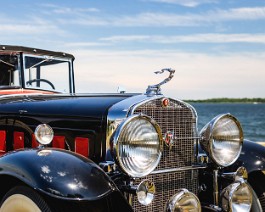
(216, 47)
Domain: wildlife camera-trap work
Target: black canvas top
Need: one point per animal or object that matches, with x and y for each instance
(9, 48)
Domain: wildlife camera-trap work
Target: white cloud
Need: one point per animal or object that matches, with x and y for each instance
(69, 10)
(27, 28)
(86, 44)
(154, 19)
(59, 16)
(191, 38)
(187, 3)
(138, 20)
(197, 75)
(127, 38)
(29, 25)
(247, 13)
(85, 21)
(158, 20)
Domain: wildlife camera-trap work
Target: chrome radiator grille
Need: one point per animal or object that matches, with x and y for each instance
(180, 120)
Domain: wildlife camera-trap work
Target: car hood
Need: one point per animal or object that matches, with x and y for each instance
(60, 105)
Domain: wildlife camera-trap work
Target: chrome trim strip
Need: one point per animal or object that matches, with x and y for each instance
(181, 138)
(20, 94)
(186, 168)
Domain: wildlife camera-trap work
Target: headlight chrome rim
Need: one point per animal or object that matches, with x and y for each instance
(207, 138)
(44, 134)
(116, 140)
(230, 200)
(145, 192)
(183, 196)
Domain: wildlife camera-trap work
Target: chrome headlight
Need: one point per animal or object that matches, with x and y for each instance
(237, 197)
(44, 134)
(183, 200)
(138, 145)
(145, 192)
(222, 139)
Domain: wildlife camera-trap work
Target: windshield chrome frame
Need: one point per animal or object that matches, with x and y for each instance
(66, 59)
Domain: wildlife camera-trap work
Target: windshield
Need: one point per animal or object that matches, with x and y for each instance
(9, 74)
(47, 73)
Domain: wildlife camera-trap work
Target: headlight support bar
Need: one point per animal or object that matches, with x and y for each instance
(215, 187)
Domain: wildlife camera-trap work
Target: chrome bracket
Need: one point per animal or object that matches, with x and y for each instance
(156, 89)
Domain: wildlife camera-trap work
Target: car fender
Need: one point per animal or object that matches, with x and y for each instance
(58, 173)
(252, 156)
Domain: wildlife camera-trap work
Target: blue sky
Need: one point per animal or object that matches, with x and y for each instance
(217, 47)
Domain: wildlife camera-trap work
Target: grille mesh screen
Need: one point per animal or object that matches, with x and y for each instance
(179, 120)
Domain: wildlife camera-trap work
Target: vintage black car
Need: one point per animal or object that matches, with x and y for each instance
(62, 151)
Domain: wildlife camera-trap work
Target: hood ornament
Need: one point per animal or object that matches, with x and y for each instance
(155, 89)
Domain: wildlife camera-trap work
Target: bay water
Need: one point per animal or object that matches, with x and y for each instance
(251, 116)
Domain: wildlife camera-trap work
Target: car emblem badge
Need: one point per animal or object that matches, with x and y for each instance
(165, 102)
(169, 138)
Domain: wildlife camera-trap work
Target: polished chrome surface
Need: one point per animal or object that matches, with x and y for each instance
(179, 118)
(183, 200)
(138, 145)
(145, 192)
(237, 197)
(240, 173)
(156, 89)
(222, 139)
(215, 187)
(118, 112)
(262, 201)
(175, 170)
(167, 184)
(44, 134)
(202, 158)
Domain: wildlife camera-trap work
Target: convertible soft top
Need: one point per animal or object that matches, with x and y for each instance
(8, 48)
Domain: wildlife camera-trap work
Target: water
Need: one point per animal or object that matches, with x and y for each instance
(251, 117)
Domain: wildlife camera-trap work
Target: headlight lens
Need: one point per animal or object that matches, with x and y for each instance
(183, 200)
(44, 134)
(222, 139)
(138, 145)
(237, 197)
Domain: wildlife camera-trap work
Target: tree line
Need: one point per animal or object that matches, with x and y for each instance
(229, 100)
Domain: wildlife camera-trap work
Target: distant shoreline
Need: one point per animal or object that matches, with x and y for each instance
(229, 100)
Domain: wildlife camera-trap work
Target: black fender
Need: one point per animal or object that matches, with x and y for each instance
(252, 157)
(58, 173)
